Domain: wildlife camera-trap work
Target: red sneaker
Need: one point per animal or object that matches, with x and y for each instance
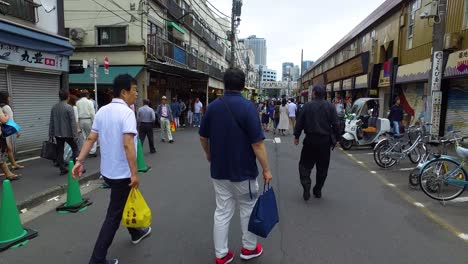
(226, 259)
(251, 254)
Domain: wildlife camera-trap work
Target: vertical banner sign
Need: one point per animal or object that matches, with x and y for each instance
(106, 65)
(435, 91)
(437, 70)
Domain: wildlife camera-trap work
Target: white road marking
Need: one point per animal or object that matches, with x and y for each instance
(407, 169)
(360, 162)
(370, 153)
(419, 204)
(24, 210)
(460, 200)
(350, 155)
(373, 172)
(29, 159)
(391, 185)
(56, 198)
(277, 140)
(463, 236)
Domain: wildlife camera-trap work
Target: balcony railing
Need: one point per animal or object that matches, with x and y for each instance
(22, 9)
(163, 49)
(174, 9)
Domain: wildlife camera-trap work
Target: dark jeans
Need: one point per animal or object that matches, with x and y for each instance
(146, 129)
(118, 198)
(316, 151)
(60, 149)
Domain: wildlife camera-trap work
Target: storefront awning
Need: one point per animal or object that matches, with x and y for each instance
(175, 26)
(457, 64)
(84, 78)
(16, 35)
(417, 71)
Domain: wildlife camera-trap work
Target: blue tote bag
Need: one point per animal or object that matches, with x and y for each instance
(10, 128)
(264, 214)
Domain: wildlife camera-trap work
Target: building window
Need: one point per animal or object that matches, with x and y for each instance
(415, 5)
(465, 18)
(112, 35)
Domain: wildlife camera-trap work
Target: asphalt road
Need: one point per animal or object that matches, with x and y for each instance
(359, 219)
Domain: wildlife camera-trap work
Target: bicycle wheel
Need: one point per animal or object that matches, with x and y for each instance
(417, 153)
(413, 178)
(376, 150)
(383, 158)
(434, 176)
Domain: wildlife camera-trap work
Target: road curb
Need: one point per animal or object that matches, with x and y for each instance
(39, 198)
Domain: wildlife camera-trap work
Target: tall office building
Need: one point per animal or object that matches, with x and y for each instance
(295, 73)
(258, 45)
(287, 69)
(306, 65)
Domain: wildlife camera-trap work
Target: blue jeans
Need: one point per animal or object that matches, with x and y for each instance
(196, 119)
(396, 127)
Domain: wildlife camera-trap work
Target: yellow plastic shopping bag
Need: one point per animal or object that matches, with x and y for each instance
(136, 213)
(173, 126)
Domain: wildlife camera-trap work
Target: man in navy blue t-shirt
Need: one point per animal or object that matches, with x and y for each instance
(232, 137)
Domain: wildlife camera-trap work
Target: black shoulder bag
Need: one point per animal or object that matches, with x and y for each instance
(232, 115)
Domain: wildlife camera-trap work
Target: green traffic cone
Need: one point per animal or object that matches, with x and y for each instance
(75, 203)
(141, 164)
(12, 233)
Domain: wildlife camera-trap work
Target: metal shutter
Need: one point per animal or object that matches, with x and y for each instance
(457, 108)
(3, 80)
(33, 96)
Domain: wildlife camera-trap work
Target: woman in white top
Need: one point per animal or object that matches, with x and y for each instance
(6, 109)
(284, 117)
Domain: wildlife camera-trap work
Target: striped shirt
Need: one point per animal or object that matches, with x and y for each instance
(146, 114)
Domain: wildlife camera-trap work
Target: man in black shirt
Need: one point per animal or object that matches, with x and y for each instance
(319, 121)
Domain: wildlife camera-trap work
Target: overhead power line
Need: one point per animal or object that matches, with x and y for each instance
(229, 17)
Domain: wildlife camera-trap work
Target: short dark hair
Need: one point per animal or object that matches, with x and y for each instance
(123, 82)
(63, 95)
(4, 98)
(234, 79)
(146, 102)
(320, 91)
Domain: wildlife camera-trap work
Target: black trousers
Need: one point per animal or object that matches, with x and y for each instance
(60, 149)
(146, 129)
(315, 152)
(118, 198)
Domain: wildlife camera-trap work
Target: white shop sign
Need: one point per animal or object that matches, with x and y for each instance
(14, 55)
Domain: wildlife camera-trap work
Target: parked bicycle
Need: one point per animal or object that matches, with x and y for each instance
(441, 145)
(394, 149)
(445, 178)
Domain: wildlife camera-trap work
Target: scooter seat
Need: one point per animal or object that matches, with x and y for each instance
(462, 152)
(369, 130)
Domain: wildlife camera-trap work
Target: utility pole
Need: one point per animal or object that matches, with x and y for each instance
(438, 62)
(236, 12)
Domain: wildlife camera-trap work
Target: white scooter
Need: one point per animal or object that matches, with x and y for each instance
(363, 126)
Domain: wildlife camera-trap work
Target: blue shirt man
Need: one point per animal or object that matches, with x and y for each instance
(232, 139)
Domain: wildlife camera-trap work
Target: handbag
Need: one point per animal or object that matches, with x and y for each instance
(49, 150)
(10, 128)
(264, 214)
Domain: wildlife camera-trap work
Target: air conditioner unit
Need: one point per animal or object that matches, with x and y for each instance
(452, 41)
(77, 34)
(429, 10)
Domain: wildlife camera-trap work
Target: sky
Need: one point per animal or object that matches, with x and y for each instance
(289, 26)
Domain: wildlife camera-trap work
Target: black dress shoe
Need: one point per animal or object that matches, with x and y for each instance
(306, 195)
(171, 141)
(63, 172)
(317, 194)
(152, 152)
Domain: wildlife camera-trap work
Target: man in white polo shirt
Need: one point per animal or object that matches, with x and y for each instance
(292, 109)
(115, 126)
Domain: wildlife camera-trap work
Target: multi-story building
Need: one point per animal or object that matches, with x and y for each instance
(295, 73)
(259, 47)
(34, 61)
(268, 75)
(172, 47)
(306, 65)
(286, 71)
(389, 54)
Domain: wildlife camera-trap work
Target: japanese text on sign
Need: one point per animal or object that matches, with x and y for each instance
(14, 55)
(437, 70)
